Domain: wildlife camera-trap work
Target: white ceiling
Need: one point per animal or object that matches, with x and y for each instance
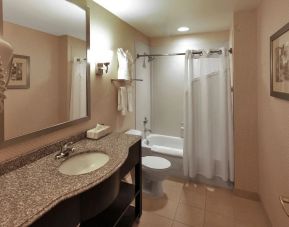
(162, 17)
(57, 17)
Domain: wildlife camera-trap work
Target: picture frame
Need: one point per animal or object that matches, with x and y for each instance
(20, 72)
(279, 63)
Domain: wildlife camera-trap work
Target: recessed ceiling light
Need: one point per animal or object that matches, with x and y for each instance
(183, 29)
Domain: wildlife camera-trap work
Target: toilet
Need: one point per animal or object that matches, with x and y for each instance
(154, 172)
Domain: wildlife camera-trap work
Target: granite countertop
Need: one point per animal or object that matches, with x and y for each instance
(30, 191)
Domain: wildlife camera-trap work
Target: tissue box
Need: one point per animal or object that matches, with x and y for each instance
(98, 132)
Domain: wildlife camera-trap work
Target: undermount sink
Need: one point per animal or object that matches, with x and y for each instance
(83, 163)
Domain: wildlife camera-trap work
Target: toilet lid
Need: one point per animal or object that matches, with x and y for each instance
(155, 162)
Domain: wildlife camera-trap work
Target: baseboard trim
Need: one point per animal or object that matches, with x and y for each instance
(246, 194)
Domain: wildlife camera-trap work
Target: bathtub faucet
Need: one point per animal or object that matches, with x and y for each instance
(145, 121)
(147, 130)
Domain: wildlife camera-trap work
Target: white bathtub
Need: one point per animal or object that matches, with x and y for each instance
(168, 147)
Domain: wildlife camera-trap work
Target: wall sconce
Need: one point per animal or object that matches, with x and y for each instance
(100, 68)
(102, 59)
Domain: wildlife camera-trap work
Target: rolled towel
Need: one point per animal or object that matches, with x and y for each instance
(6, 54)
(122, 100)
(2, 96)
(167, 150)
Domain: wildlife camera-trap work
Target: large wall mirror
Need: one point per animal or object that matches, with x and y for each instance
(49, 85)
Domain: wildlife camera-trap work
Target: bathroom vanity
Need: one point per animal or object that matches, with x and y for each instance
(37, 194)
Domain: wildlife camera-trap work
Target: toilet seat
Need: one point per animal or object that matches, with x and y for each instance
(154, 162)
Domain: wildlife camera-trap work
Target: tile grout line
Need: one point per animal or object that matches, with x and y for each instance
(205, 209)
(172, 219)
(179, 201)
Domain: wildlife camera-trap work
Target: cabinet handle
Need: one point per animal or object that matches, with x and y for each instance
(285, 202)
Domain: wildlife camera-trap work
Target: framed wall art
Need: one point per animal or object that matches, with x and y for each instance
(20, 72)
(279, 54)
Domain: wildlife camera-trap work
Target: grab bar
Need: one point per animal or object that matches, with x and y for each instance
(285, 202)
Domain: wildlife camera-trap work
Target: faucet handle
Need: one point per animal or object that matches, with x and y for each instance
(65, 146)
(145, 121)
(72, 150)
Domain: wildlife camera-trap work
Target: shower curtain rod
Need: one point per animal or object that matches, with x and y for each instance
(177, 54)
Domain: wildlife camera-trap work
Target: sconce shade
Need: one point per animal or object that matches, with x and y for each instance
(103, 60)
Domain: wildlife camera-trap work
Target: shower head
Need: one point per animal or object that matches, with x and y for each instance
(150, 58)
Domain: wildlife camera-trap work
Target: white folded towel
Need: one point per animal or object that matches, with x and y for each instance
(129, 99)
(167, 150)
(122, 100)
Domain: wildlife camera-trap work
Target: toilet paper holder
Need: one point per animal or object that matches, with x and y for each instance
(285, 203)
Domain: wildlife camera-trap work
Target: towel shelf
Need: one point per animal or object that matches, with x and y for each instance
(125, 81)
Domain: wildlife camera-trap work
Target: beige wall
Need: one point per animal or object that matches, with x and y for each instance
(168, 77)
(28, 110)
(1, 17)
(273, 117)
(245, 101)
(109, 32)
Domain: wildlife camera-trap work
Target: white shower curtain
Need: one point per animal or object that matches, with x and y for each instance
(208, 138)
(78, 91)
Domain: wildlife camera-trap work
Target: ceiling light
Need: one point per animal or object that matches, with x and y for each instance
(183, 29)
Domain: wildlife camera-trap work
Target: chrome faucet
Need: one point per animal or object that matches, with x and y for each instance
(65, 150)
(146, 130)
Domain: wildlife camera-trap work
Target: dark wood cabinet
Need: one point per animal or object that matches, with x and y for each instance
(121, 213)
(108, 204)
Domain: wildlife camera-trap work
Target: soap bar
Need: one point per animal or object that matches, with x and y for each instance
(98, 132)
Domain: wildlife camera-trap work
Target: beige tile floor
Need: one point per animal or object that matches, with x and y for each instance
(193, 205)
